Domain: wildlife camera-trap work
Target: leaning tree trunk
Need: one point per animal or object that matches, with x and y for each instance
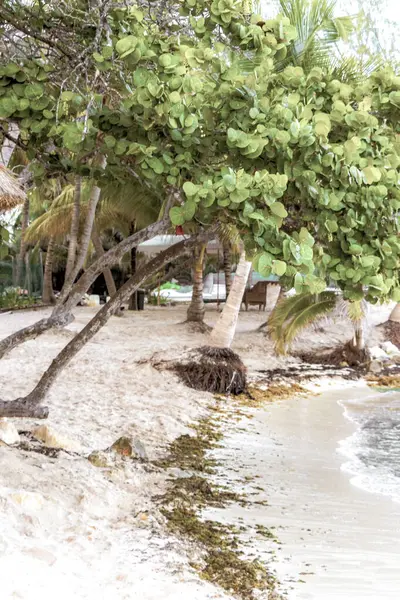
(61, 314)
(9, 144)
(98, 246)
(74, 231)
(227, 268)
(48, 294)
(224, 331)
(22, 249)
(30, 405)
(196, 310)
(86, 235)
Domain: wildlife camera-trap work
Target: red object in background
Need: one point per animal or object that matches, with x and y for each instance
(179, 230)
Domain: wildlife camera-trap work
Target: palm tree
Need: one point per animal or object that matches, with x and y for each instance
(227, 254)
(20, 275)
(48, 293)
(74, 230)
(224, 331)
(86, 235)
(293, 315)
(196, 310)
(318, 33)
(119, 205)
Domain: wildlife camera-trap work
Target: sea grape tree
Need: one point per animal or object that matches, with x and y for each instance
(183, 96)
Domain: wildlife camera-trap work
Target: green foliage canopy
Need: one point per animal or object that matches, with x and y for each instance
(306, 166)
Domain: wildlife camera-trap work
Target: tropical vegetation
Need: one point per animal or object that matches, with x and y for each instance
(194, 105)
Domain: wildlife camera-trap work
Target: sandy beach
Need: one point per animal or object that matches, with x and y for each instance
(77, 531)
(337, 541)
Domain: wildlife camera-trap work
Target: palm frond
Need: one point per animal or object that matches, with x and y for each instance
(123, 204)
(228, 234)
(319, 32)
(356, 311)
(292, 315)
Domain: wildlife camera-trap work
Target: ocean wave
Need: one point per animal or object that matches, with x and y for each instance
(373, 450)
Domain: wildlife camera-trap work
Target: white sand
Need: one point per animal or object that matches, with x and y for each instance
(338, 541)
(68, 529)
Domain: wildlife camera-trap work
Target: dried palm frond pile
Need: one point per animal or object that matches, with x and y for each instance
(208, 369)
(215, 370)
(11, 193)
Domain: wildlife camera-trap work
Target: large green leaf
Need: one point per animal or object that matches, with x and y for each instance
(277, 208)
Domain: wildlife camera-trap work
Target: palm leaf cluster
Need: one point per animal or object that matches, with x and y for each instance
(119, 206)
(320, 39)
(292, 315)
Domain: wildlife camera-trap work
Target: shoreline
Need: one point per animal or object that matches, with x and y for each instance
(337, 540)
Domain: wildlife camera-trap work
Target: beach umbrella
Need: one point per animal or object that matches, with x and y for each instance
(11, 193)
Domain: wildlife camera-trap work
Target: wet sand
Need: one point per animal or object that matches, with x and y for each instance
(338, 541)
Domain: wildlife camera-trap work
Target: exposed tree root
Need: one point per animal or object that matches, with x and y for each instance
(209, 369)
(343, 355)
(197, 327)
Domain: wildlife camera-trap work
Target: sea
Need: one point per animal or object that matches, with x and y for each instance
(372, 452)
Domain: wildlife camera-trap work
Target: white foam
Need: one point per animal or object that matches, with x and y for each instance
(368, 477)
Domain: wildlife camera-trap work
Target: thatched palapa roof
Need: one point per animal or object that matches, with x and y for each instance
(11, 193)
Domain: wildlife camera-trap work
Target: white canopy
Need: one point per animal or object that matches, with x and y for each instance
(161, 242)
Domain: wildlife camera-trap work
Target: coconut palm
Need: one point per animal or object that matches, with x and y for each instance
(224, 331)
(119, 205)
(48, 292)
(229, 238)
(20, 276)
(320, 37)
(318, 33)
(74, 229)
(196, 310)
(227, 261)
(293, 315)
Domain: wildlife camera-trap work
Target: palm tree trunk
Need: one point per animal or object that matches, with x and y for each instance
(133, 299)
(73, 235)
(8, 145)
(86, 235)
(197, 308)
(30, 405)
(98, 246)
(20, 279)
(359, 339)
(395, 314)
(28, 279)
(224, 331)
(48, 294)
(227, 268)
